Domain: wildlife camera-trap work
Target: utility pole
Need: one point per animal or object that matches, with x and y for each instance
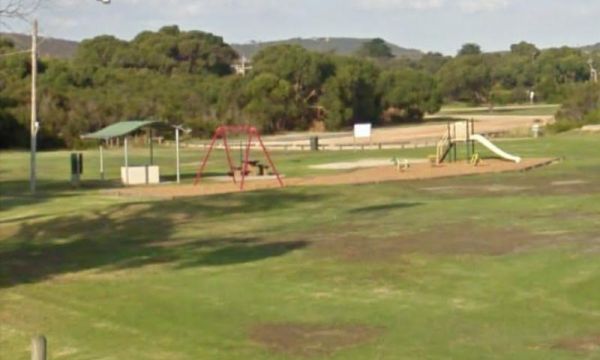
(34, 121)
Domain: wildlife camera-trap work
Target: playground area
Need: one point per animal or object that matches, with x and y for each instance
(365, 175)
(455, 155)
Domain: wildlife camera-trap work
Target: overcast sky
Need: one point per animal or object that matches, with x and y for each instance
(430, 25)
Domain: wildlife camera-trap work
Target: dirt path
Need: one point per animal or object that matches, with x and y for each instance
(407, 134)
(359, 176)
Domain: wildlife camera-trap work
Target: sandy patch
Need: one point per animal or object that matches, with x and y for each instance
(364, 163)
(414, 133)
(568, 182)
(359, 176)
(579, 344)
(591, 128)
(311, 340)
(460, 239)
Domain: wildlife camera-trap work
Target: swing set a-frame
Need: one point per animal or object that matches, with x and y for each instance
(222, 132)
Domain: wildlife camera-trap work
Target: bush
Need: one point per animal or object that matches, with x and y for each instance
(581, 108)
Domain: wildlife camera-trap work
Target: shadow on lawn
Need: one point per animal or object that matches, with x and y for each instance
(14, 194)
(10, 202)
(138, 234)
(385, 207)
(192, 176)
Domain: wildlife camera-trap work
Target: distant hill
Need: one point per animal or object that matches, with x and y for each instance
(64, 49)
(342, 46)
(49, 47)
(591, 48)
(59, 48)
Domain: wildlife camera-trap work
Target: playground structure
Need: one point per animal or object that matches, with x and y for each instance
(222, 132)
(464, 132)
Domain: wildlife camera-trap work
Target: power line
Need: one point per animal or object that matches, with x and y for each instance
(15, 53)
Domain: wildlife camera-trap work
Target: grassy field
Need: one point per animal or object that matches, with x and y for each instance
(502, 266)
(524, 110)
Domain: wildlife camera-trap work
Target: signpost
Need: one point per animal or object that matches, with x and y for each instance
(362, 131)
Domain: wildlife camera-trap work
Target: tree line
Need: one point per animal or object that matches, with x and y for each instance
(186, 77)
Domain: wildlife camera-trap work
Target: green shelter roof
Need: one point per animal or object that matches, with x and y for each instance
(119, 129)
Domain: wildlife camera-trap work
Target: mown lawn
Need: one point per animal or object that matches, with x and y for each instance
(502, 266)
(524, 110)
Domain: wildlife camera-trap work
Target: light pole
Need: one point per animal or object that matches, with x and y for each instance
(34, 124)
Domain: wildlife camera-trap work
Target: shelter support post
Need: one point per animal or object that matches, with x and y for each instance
(151, 135)
(101, 147)
(126, 153)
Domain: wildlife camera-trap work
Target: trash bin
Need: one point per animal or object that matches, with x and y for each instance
(76, 167)
(314, 143)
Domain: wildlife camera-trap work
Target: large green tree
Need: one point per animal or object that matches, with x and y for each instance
(305, 71)
(349, 96)
(14, 94)
(467, 78)
(270, 102)
(376, 48)
(408, 93)
(167, 50)
(469, 49)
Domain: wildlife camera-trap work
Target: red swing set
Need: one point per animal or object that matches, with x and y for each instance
(221, 133)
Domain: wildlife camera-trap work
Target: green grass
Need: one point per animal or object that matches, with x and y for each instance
(495, 266)
(537, 110)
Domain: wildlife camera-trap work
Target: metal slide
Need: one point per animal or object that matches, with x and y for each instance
(496, 150)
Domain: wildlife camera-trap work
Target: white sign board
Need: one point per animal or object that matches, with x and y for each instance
(362, 130)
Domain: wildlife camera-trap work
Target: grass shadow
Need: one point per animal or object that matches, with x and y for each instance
(136, 234)
(385, 207)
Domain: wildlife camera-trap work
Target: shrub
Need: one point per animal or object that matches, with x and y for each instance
(581, 108)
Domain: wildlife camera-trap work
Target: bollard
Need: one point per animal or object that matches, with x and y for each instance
(38, 348)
